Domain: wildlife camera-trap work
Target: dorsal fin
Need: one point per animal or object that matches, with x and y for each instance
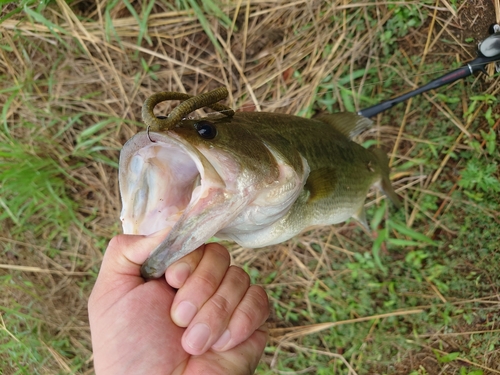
(348, 123)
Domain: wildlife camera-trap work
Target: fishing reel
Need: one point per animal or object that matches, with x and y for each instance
(490, 47)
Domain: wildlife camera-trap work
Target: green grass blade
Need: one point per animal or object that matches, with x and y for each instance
(214, 9)
(403, 243)
(11, 13)
(378, 216)
(377, 245)
(419, 237)
(205, 25)
(141, 20)
(52, 27)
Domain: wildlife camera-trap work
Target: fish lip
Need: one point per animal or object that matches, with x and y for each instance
(208, 175)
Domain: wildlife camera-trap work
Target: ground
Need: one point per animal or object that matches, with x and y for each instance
(417, 296)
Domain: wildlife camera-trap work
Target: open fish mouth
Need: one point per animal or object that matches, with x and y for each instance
(161, 180)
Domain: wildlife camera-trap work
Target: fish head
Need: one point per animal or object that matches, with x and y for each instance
(194, 178)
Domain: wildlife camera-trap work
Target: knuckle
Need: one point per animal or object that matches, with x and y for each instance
(251, 313)
(247, 314)
(222, 305)
(218, 250)
(239, 276)
(246, 323)
(205, 281)
(259, 300)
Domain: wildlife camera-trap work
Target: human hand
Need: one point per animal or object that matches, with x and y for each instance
(137, 327)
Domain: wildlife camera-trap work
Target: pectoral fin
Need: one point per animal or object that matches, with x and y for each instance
(320, 183)
(360, 216)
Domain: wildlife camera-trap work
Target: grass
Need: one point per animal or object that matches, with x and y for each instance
(419, 297)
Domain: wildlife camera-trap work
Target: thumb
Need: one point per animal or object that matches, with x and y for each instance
(126, 253)
(121, 266)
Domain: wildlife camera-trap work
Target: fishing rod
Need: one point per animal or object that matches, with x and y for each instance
(488, 51)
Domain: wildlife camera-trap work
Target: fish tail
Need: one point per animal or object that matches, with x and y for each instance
(385, 183)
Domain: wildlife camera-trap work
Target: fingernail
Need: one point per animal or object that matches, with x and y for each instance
(198, 336)
(184, 313)
(222, 341)
(181, 273)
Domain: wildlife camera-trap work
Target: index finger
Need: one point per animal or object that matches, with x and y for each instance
(177, 274)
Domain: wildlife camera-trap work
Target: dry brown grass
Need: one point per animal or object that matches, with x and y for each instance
(77, 68)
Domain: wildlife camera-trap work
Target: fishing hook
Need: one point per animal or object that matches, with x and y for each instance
(147, 133)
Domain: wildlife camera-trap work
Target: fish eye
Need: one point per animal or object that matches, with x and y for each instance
(206, 129)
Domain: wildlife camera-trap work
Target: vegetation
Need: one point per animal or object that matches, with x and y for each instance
(419, 296)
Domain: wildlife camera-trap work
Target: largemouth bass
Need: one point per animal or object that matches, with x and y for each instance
(252, 177)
